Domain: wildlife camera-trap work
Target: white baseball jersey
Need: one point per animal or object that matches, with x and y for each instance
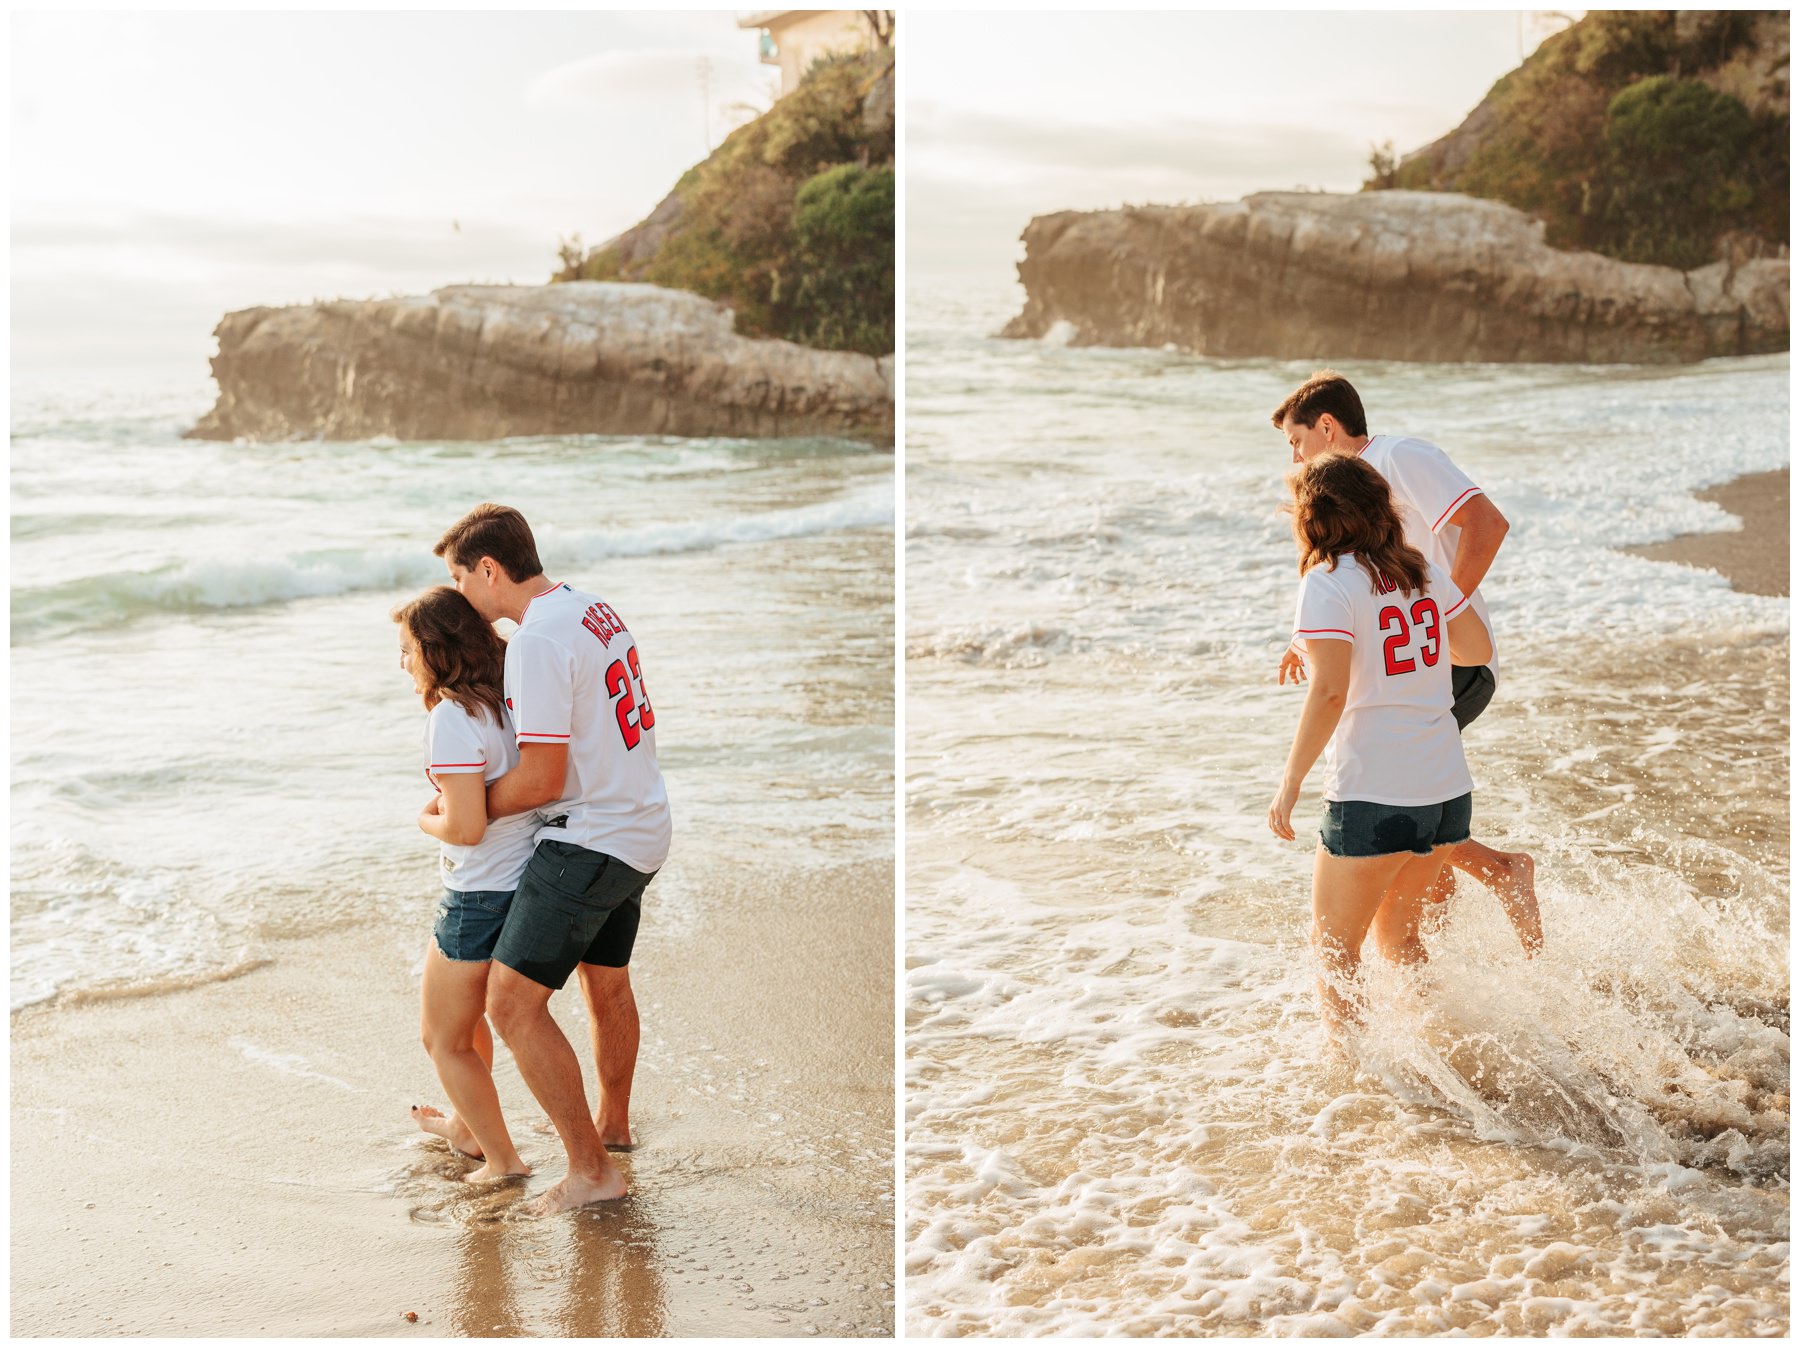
(573, 677)
(1396, 742)
(456, 742)
(1428, 489)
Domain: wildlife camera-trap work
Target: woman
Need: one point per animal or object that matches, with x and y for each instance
(1374, 618)
(456, 662)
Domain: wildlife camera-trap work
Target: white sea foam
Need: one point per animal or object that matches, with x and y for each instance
(81, 921)
(1118, 1125)
(236, 581)
(288, 1064)
(1007, 648)
(868, 506)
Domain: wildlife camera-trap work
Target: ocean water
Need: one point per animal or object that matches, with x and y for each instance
(215, 752)
(1121, 1113)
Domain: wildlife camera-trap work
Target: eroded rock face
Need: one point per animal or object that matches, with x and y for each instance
(483, 362)
(1419, 276)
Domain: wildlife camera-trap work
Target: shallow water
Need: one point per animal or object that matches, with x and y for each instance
(213, 745)
(1122, 1114)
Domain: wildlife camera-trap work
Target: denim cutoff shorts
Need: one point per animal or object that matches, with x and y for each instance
(469, 922)
(1366, 828)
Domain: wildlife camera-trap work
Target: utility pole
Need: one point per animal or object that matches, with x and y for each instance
(704, 67)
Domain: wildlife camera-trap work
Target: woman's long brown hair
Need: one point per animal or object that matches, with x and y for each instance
(458, 654)
(1342, 505)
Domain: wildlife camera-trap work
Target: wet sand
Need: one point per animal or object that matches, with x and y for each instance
(1755, 558)
(236, 1158)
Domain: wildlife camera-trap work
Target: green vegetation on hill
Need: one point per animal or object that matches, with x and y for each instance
(790, 221)
(1650, 136)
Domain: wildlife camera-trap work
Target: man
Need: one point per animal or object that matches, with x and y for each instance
(1451, 520)
(587, 763)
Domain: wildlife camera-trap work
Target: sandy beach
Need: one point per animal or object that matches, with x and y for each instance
(1755, 558)
(236, 1158)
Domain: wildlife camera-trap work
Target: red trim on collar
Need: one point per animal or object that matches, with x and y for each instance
(560, 585)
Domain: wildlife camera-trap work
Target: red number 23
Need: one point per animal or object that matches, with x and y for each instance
(618, 686)
(1424, 614)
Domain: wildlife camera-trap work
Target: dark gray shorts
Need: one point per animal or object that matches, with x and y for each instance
(1472, 688)
(572, 907)
(1366, 828)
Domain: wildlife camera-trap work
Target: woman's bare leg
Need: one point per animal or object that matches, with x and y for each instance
(1347, 893)
(1404, 906)
(452, 1003)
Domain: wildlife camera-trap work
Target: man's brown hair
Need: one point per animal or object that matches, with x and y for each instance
(1341, 504)
(1326, 391)
(495, 531)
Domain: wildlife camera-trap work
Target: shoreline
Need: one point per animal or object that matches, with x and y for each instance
(1754, 558)
(236, 1158)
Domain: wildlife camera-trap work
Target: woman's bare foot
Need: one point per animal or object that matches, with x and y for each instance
(447, 1126)
(1518, 896)
(493, 1170)
(617, 1139)
(575, 1191)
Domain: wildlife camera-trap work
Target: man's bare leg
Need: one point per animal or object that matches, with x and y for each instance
(520, 1008)
(613, 1027)
(1513, 878)
(452, 1028)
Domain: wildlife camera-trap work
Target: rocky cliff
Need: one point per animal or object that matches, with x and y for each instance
(482, 362)
(790, 221)
(1648, 135)
(1395, 275)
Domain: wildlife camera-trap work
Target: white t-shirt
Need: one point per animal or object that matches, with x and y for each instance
(573, 677)
(457, 742)
(1428, 489)
(1396, 742)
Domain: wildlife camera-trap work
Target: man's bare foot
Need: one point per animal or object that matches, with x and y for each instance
(447, 1126)
(494, 1171)
(575, 1191)
(1518, 896)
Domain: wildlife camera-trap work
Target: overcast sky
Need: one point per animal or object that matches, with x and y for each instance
(169, 167)
(1014, 115)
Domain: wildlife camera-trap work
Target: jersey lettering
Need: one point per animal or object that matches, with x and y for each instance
(646, 717)
(602, 622)
(618, 686)
(1425, 615)
(1397, 640)
(634, 714)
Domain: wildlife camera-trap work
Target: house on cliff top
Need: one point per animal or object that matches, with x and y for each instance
(794, 38)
